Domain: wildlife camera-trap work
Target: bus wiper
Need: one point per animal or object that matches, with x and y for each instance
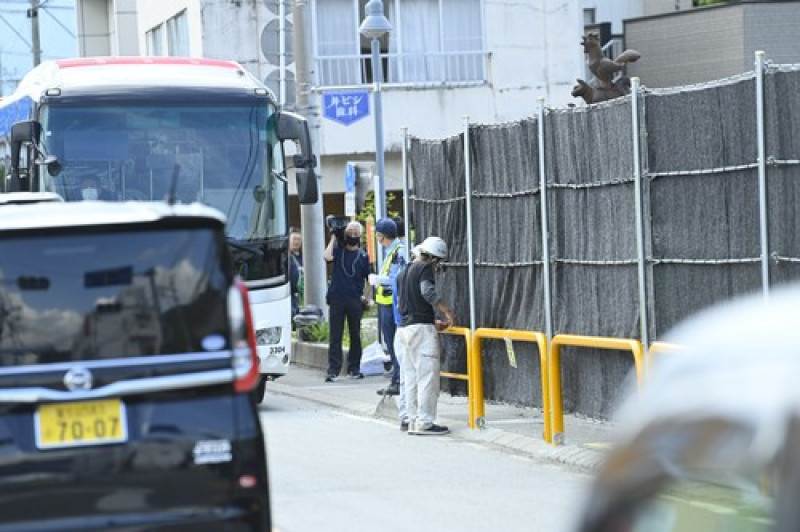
(232, 242)
(173, 185)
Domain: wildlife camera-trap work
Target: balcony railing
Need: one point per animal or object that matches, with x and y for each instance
(440, 68)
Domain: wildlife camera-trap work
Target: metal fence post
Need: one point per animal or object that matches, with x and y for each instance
(762, 174)
(405, 192)
(468, 190)
(637, 176)
(548, 317)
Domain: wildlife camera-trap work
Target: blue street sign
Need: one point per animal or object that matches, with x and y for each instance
(345, 107)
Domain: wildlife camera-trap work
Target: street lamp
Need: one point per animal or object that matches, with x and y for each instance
(375, 26)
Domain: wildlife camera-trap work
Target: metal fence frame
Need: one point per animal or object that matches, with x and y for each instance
(641, 179)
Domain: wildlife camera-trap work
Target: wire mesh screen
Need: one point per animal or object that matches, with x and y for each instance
(699, 166)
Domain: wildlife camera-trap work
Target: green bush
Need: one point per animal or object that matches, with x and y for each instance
(321, 333)
(317, 332)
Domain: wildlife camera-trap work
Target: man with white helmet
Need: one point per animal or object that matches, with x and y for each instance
(417, 303)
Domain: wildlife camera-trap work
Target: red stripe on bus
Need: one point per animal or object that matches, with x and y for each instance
(99, 61)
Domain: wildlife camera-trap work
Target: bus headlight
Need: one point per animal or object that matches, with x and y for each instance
(268, 336)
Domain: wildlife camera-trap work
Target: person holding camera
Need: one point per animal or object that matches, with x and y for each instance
(345, 295)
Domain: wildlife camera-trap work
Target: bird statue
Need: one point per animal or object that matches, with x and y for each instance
(604, 86)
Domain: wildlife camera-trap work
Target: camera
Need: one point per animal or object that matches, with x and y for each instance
(337, 225)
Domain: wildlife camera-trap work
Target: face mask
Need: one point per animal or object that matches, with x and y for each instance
(352, 240)
(89, 193)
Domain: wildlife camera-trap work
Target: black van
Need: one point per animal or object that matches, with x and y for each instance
(127, 359)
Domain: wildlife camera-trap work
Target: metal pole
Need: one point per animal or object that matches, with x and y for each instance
(33, 14)
(282, 51)
(470, 262)
(313, 229)
(548, 316)
(377, 71)
(637, 177)
(762, 175)
(405, 192)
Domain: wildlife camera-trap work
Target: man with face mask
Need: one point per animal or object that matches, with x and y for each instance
(349, 271)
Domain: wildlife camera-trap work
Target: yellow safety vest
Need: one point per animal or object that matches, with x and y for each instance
(383, 296)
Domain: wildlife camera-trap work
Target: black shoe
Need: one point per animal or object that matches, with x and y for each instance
(330, 378)
(356, 376)
(392, 389)
(431, 430)
(404, 425)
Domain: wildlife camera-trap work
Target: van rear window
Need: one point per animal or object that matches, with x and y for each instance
(109, 295)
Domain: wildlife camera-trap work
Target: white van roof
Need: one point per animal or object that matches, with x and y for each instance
(20, 198)
(42, 215)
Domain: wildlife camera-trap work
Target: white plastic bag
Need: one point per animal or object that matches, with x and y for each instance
(373, 358)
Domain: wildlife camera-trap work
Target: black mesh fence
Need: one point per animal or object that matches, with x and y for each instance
(698, 159)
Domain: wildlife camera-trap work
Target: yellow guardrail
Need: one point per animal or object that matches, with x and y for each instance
(554, 370)
(512, 335)
(469, 376)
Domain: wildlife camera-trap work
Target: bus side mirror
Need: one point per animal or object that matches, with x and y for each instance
(21, 133)
(307, 191)
(291, 126)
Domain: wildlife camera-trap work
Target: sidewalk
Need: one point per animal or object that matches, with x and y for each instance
(513, 428)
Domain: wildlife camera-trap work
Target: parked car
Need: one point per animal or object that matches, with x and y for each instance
(711, 441)
(127, 361)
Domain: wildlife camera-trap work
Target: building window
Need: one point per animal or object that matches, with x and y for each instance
(431, 42)
(178, 35)
(589, 16)
(155, 40)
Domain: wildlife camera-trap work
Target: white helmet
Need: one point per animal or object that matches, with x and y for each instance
(435, 246)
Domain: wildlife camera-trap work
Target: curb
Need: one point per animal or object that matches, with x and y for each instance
(570, 455)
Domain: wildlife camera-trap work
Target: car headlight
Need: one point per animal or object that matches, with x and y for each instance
(268, 336)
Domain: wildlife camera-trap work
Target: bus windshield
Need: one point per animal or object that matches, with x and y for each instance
(226, 156)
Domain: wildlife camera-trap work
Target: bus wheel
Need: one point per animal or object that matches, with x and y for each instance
(259, 389)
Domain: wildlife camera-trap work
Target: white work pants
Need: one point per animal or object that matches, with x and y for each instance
(420, 365)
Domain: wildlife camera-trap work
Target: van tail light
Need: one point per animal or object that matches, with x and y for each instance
(245, 359)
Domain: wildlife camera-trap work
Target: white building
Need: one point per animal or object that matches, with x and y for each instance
(443, 60)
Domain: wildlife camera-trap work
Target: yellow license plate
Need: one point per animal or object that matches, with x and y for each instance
(80, 423)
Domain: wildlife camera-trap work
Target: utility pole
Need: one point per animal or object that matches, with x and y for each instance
(311, 215)
(33, 14)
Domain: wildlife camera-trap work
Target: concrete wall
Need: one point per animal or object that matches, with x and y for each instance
(773, 28)
(700, 45)
(151, 13)
(124, 28)
(107, 27)
(93, 27)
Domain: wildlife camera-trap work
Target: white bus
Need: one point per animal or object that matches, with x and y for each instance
(179, 129)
